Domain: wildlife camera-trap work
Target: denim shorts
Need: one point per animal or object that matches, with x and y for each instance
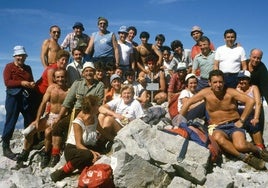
(229, 129)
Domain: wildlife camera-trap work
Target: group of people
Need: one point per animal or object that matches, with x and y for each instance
(92, 86)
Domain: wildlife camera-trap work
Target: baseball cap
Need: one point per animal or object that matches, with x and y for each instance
(181, 66)
(123, 29)
(114, 76)
(244, 74)
(189, 76)
(196, 28)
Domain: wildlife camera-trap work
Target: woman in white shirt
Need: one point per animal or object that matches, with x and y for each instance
(82, 136)
(197, 109)
(119, 112)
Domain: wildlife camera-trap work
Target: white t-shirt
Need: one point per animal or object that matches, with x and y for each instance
(184, 94)
(125, 49)
(89, 132)
(230, 58)
(131, 111)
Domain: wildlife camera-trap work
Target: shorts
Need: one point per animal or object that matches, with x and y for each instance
(51, 117)
(229, 128)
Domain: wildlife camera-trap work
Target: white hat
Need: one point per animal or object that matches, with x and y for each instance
(88, 64)
(181, 66)
(19, 50)
(196, 28)
(114, 76)
(123, 29)
(244, 74)
(189, 76)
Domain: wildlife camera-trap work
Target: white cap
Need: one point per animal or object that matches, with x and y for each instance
(189, 76)
(88, 64)
(19, 50)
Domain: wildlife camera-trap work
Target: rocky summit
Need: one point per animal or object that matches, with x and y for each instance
(142, 156)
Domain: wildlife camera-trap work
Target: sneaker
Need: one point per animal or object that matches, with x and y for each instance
(54, 160)
(45, 158)
(9, 154)
(58, 175)
(23, 156)
(264, 155)
(255, 162)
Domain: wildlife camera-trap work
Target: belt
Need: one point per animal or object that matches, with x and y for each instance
(228, 122)
(202, 78)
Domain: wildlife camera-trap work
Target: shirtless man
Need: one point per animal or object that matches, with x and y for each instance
(221, 105)
(50, 47)
(144, 50)
(55, 95)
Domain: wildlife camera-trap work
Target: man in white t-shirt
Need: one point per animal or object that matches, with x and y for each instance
(230, 58)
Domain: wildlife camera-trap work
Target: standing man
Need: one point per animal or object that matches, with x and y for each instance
(76, 39)
(230, 58)
(50, 47)
(259, 77)
(204, 61)
(126, 56)
(226, 123)
(103, 45)
(19, 83)
(74, 69)
(196, 34)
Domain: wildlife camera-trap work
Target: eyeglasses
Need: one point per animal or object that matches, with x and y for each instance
(54, 32)
(102, 23)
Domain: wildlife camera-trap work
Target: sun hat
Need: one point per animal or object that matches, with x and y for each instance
(189, 76)
(88, 64)
(181, 66)
(196, 28)
(19, 50)
(244, 74)
(114, 76)
(78, 25)
(123, 29)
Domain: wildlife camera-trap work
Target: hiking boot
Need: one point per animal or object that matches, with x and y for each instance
(264, 155)
(58, 175)
(255, 162)
(9, 154)
(45, 158)
(23, 156)
(54, 160)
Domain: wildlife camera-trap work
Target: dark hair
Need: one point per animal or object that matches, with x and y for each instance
(79, 48)
(132, 28)
(229, 31)
(160, 37)
(144, 34)
(102, 19)
(50, 29)
(203, 39)
(215, 73)
(166, 48)
(62, 53)
(88, 102)
(175, 44)
(99, 65)
(130, 72)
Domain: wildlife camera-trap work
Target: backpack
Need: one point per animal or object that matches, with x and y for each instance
(96, 176)
(195, 131)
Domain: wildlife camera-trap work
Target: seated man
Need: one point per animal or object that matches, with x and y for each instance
(55, 95)
(226, 123)
(119, 112)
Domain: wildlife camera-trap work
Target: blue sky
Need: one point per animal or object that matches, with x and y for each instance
(27, 22)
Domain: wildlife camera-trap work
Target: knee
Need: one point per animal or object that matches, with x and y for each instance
(218, 137)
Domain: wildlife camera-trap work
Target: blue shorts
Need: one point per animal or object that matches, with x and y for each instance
(229, 129)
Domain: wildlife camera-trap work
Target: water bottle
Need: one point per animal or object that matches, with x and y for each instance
(28, 130)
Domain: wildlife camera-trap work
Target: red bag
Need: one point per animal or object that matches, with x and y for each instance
(96, 176)
(173, 106)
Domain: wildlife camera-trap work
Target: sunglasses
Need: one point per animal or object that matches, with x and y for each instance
(54, 32)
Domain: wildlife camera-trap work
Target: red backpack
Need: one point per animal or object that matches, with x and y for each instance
(96, 176)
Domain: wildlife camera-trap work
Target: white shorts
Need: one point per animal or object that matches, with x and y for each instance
(51, 117)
